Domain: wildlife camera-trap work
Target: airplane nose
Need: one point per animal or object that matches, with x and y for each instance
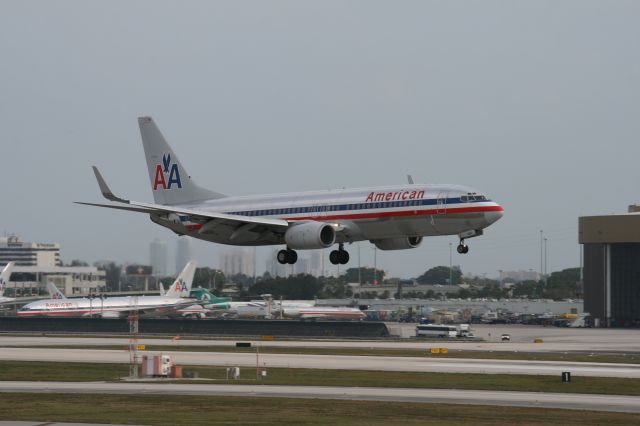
(493, 216)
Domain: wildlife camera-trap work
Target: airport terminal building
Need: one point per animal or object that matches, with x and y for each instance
(39, 263)
(611, 272)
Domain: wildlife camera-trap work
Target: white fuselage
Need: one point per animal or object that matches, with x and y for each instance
(410, 210)
(107, 307)
(328, 312)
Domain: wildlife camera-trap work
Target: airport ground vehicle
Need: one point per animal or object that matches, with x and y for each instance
(436, 330)
(505, 337)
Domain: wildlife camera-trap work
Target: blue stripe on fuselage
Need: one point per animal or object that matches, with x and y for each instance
(356, 206)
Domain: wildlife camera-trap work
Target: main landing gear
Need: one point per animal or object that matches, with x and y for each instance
(287, 256)
(340, 256)
(337, 257)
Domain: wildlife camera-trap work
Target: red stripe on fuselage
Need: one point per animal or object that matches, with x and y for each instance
(63, 312)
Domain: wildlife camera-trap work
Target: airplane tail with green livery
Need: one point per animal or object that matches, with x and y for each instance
(209, 300)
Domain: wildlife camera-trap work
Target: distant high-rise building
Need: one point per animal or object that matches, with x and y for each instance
(316, 263)
(184, 253)
(238, 260)
(28, 254)
(158, 258)
(302, 266)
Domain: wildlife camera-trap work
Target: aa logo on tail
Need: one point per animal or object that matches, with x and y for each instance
(167, 174)
(180, 285)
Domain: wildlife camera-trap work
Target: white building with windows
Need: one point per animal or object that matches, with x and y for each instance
(39, 263)
(71, 280)
(28, 254)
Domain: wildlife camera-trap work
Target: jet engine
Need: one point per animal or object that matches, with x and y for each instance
(397, 243)
(310, 235)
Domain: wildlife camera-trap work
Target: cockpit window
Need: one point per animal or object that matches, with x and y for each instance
(472, 197)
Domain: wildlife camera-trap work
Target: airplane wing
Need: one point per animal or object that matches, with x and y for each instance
(207, 218)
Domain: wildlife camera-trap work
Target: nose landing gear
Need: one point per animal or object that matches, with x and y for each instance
(462, 247)
(340, 256)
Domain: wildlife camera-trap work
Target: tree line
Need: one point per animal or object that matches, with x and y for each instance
(558, 285)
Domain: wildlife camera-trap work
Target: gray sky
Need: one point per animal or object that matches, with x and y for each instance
(534, 102)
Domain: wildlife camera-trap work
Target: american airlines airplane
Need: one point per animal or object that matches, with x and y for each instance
(4, 279)
(117, 306)
(391, 217)
(320, 312)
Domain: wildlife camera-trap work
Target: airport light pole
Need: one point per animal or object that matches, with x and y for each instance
(450, 265)
(545, 262)
(359, 267)
(375, 265)
(541, 254)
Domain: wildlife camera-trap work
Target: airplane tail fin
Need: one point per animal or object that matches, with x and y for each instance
(170, 182)
(182, 285)
(5, 275)
(54, 292)
(204, 295)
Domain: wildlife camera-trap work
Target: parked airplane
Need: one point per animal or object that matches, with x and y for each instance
(323, 312)
(391, 217)
(118, 306)
(203, 306)
(5, 275)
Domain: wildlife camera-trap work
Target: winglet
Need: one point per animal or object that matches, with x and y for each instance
(410, 179)
(104, 188)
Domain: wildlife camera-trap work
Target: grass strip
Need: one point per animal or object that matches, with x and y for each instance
(50, 371)
(202, 410)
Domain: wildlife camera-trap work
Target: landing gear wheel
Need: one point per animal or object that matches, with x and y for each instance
(287, 256)
(339, 257)
(293, 256)
(463, 248)
(343, 257)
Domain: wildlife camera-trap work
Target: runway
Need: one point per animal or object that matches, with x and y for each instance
(522, 340)
(628, 404)
(339, 362)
